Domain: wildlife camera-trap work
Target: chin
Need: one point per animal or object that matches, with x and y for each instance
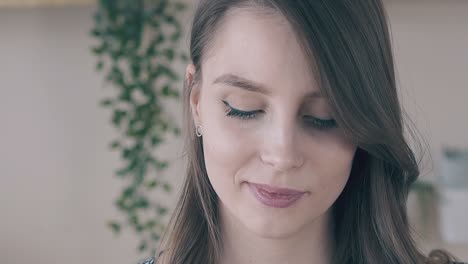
(271, 228)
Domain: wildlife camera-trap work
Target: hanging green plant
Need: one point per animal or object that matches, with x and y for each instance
(137, 49)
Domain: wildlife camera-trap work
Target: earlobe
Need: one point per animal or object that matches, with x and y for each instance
(195, 105)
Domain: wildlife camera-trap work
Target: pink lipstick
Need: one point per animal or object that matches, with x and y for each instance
(274, 196)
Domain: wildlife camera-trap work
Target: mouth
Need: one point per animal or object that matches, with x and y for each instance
(273, 196)
(274, 190)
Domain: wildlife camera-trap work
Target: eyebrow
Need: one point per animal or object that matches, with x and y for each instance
(246, 84)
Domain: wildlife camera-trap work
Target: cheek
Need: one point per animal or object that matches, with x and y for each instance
(226, 150)
(331, 166)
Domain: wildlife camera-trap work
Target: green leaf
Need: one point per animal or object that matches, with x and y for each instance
(150, 224)
(166, 90)
(141, 170)
(97, 16)
(156, 140)
(129, 191)
(155, 236)
(134, 219)
(139, 228)
(106, 102)
(160, 165)
(142, 246)
(162, 210)
(136, 68)
(176, 36)
(169, 54)
(169, 19)
(118, 116)
(179, 6)
(100, 65)
(114, 226)
(95, 32)
(164, 126)
(98, 50)
(167, 187)
(176, 131)
(142, 202)
(184, 57)
(122, 172)
(115, 144)
(151, 184)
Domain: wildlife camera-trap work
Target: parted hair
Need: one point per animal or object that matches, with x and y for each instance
(348, 44)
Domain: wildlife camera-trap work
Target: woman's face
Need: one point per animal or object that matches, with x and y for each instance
(256, 66)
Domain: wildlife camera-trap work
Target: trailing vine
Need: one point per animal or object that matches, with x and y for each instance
(137, 48)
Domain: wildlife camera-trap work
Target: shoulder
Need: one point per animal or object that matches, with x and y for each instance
(152, 260)
(148, 261)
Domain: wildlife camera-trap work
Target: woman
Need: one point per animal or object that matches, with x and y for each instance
(297, 153)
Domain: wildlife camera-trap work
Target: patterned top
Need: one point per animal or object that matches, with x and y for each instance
(148, 261)
(152, 261)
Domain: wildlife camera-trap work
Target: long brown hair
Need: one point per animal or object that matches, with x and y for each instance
(348, 42)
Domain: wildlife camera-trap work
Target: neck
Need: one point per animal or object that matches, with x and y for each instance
(311, 243)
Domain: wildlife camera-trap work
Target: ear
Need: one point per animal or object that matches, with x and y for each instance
(194, 94)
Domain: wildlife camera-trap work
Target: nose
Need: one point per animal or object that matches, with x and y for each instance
(282, 148)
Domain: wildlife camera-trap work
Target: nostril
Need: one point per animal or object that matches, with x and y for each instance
(282, 162)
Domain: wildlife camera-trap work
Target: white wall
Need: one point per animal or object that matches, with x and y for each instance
(57, 188)
(56, 173)
(431, 50)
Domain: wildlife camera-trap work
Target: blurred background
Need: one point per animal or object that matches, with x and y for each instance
(58, 182)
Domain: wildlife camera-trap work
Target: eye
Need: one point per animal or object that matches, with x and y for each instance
(310, 121)
(321, 124)
(236, 113)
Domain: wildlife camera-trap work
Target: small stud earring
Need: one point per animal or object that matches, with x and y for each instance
(198, 130)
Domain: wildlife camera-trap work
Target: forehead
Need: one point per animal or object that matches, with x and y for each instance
(259, 46)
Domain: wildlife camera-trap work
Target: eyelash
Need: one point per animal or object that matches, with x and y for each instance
(317, 123)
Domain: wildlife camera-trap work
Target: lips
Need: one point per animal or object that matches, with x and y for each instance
(276, 190)
(274, 196)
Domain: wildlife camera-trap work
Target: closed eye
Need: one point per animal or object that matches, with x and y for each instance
(310, 121)
(322, 124)
(233, 112)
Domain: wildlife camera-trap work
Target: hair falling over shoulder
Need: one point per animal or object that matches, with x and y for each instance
(348, 43)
